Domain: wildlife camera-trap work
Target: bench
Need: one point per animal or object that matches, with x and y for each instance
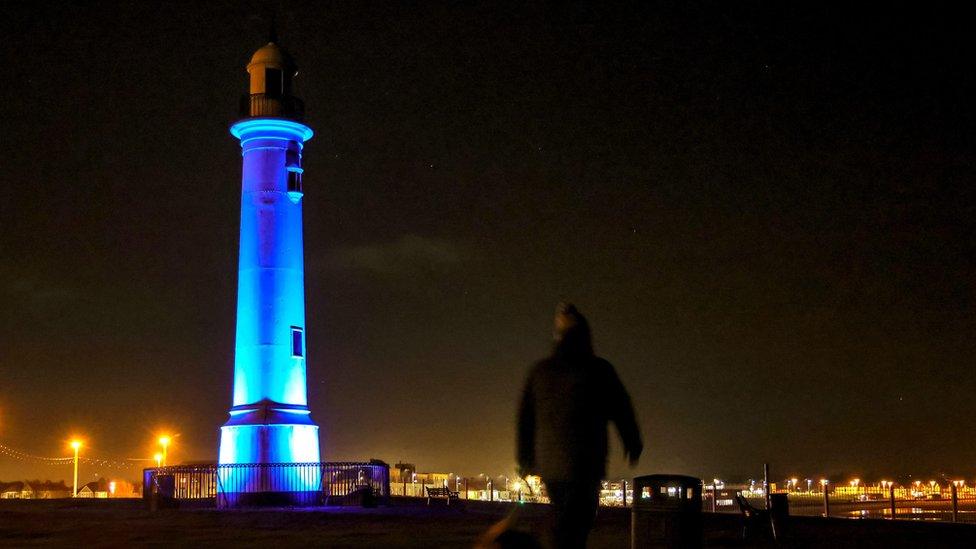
(440, 493)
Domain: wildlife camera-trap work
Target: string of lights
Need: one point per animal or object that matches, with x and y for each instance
(24, 456)
(61, 461)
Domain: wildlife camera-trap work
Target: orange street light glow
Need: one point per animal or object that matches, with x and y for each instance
(75, 445)
(164, 441)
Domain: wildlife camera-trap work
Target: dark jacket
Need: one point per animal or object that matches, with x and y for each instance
(568, 400)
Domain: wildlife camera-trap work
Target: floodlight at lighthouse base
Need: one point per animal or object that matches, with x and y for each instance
(269, 455)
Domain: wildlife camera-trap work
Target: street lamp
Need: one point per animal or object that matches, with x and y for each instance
(76, 445)
(489, 487)
(164, 442)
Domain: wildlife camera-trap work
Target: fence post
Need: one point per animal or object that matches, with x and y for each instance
(955, 502)
(766, 484)
(891, 499)
(714, 494)
(826, 498)
(624, 484)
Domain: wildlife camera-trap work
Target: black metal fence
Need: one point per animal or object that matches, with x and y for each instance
(233, 485)
(946, 502)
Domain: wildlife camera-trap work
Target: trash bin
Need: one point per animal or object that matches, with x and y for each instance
(779, 514)
(779, 505)
(162, 492)
(666, 512)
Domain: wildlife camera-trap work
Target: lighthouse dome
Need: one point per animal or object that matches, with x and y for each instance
(271, 55)
(270, 74)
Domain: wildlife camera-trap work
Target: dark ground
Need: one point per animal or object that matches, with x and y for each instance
(128, 523)
(115, 523)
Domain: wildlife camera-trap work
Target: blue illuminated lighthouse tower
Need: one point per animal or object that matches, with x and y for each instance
(269, 421)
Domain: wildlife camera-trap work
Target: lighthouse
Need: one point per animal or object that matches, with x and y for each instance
(269, 420)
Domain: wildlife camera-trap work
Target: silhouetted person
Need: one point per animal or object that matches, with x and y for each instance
(568, 401)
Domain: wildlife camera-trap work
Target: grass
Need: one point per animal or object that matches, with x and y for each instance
(407, 523)
(113, 523)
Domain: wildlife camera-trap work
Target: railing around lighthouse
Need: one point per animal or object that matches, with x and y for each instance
(231, 485)
(275, 106)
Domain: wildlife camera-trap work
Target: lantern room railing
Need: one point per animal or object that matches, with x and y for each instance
(276, 106)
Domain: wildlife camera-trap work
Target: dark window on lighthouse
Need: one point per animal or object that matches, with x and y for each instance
(292, 159)
(272, 82)
(294, 182)
(297, 343)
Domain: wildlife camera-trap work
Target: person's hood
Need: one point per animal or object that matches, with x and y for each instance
(575, 342)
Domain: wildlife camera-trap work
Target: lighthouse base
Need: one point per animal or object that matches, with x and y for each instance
(269, 444)
(310, 498)
(269, 455)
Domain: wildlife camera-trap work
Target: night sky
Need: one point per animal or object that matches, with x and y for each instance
(766, 212)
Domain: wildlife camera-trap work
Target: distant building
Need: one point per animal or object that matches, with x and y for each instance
(427, 479)
(401, 469)
(96, 489)
(406, 481)
(50, 490)
(34, 490)
(14, 490)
